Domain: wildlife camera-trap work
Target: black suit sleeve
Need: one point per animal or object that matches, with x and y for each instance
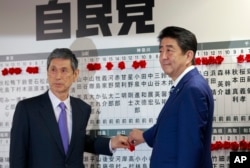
(19, 138)
(97, 145)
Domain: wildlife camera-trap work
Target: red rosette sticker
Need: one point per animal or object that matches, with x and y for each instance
(219, 145)
(240, 58)
(5, 72)
(28, 69)
(143, 63)
(219, 59)
(234, 146)
(204, 60)
(198, 61)
(11, 71)
(36, 70)
(211, 60)
(243, 145)
(213, 147)
(226, 145)
(90, 67)
(131, 147)
(109, 66)
(121, 65)
(247, 58)
(17, 70)
(97, 66)
(136, 64)
(32, 70)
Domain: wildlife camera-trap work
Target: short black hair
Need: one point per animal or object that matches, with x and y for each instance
(185, 38)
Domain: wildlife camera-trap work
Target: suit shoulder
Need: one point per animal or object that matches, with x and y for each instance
(79, 101)
(35, 101)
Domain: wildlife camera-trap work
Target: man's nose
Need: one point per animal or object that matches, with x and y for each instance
(58, 74)
(164, 55)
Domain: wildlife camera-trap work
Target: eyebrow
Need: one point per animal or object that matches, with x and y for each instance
(168, 46)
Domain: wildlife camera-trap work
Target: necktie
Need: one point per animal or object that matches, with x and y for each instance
(62, 122)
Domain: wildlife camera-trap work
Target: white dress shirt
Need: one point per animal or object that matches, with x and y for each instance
(57, 110)
(182, 74)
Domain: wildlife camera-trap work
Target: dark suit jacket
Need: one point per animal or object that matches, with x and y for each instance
(181, 138)
(35, 137)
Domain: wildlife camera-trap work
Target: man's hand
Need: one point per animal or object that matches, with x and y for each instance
(136, 137)
(119, 141)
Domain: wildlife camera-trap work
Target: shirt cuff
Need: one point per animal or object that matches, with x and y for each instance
(110, 147)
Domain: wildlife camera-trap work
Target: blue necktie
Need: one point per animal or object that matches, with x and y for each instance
(62, 122)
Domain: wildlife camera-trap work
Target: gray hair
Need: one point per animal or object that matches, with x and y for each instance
(63, 53)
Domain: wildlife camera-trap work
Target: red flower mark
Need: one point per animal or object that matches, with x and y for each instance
(247, 58)
(143, 63)
(240, 58)
(93, 66)
(243, 145)
(11, 71)
(17, 70)
(198, 61)
(211, 60)
(121, 65)
(234, 146)
(5, 72)
(109, 65)
(219, 145)
(97, 66)
(219, 59)
(135, 64)
(213, 147)
(131, 147)
(14, 70)
(204, 60)
(35, 70)
(32, 70)
(226, 145)
(90, 67)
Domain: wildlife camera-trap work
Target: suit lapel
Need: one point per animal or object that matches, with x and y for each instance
(176, 92)
(167, 105)
(76, 124)
(49, 118)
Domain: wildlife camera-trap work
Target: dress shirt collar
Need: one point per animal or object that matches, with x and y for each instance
(183, 74)
(55, 101)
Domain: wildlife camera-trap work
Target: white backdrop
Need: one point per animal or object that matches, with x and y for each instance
(212, 21)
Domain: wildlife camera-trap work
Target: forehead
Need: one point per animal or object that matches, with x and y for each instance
(60, 63)
(167, 41)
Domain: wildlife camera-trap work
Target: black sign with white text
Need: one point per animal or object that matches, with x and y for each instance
(239, 159)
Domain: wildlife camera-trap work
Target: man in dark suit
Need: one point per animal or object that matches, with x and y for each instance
(35, 135)
(181, 137)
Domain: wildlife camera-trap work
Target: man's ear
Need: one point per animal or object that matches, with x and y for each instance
(76, 74)
(190, 56)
